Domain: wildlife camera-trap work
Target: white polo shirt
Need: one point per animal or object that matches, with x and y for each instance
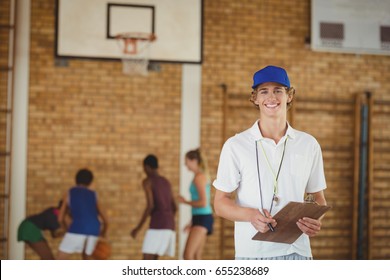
(301, 172)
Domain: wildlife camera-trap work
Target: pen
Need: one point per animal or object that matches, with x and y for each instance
(271, 228)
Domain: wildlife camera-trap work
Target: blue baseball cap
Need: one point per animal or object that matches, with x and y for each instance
(271, 74)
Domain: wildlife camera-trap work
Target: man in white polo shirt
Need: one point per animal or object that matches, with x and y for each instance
(267, 166)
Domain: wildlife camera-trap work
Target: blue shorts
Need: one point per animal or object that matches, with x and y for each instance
(206, 221)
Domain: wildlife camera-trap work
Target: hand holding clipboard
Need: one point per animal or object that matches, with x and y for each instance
(287, 231)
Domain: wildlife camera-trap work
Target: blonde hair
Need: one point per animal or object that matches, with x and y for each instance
(200, 158)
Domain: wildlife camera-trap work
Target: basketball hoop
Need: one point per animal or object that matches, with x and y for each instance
(135, 47)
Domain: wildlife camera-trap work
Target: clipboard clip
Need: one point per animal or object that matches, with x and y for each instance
(310, 199)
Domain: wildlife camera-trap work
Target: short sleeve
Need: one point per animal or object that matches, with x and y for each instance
(228, 174)
(316, 180)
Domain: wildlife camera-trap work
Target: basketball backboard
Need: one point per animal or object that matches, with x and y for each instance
(87, 28)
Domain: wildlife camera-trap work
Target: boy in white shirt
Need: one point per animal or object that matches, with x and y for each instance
(269, 165)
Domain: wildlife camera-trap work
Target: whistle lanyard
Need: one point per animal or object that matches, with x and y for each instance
(276, 177)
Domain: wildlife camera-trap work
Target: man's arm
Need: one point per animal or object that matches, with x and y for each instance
(319, 197)
(309, 226)
(147, 185)
(227, 208)
(103, 218)
(62, 212)
(174, 206)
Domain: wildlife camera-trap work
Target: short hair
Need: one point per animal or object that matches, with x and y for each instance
(152, 161)
(84, 176)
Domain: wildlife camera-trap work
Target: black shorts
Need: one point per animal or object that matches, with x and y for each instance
(206, 221)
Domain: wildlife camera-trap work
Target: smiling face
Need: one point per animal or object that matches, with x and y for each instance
(272, 99)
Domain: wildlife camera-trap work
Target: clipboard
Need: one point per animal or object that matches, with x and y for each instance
(286, 230)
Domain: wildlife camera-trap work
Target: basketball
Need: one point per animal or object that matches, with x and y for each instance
(102, 250)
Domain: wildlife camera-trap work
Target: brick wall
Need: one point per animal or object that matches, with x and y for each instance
(89, 114)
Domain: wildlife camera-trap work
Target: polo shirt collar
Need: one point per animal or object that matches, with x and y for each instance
(256, 133)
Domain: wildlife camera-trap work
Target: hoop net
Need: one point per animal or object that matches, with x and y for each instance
(135, 48)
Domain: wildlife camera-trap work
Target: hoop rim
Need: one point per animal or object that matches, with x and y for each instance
(142, 36)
